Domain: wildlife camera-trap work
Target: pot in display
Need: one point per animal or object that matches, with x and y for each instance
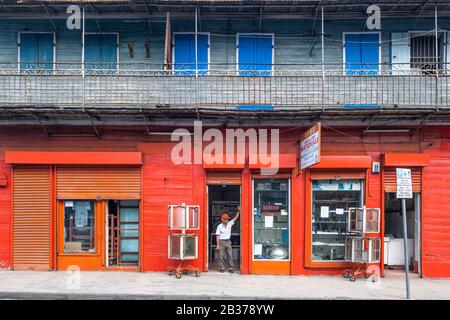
(278, 252)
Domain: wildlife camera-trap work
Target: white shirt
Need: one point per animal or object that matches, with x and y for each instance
(224, 232)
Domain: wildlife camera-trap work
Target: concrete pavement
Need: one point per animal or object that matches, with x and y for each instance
(132, 285)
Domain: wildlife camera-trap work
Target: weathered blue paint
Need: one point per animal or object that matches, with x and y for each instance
(36, 50)
(362, 53)
(255, 55)
(100, 51)
(184, 53)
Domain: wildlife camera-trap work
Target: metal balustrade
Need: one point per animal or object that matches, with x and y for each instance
(288, 87)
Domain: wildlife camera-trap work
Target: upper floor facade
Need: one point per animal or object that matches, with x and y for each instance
(225, 55)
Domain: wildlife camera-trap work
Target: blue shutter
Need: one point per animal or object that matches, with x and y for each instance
(100, 51)
(185, 54)
(255, 55)
(255, 59)
(36, 51)
(362, 54)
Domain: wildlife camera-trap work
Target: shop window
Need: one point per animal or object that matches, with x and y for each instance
(331, 202)
(271, 200)
(79, 231)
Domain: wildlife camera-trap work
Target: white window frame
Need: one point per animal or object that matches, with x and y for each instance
(208, 34)
(255, 34)
(19, 34)
(253, 220)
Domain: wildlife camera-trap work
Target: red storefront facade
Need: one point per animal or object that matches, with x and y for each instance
(346, 155)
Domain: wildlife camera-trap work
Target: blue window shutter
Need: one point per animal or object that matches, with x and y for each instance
(352, 53)
(185, 53)
(36, 50)
(100, 51)
(362, 53)
(255, 55)
(255, 59)
(370, 53)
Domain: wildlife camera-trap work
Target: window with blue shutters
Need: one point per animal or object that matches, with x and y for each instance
(362, 53)
(255, 58)
(100, 51)
(185, 61)
(36, 50)
(255, 54)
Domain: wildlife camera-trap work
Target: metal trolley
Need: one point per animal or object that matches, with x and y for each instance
(183, 246)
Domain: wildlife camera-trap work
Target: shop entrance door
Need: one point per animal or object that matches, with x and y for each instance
(223, 199)
(393, 234)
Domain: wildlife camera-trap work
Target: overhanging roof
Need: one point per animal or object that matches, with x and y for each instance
(300, 8)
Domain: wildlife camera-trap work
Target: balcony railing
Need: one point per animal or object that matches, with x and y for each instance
(287, 87)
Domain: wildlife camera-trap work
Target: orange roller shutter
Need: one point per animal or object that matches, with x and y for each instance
(227, 178)
(31, 218)
(92, 182)
(390, 179)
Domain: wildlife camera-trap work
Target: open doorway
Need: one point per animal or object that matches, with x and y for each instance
(393, 232)
(223, 199)
(122, 233)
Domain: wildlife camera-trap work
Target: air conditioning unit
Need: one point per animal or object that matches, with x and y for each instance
(183, 246)
(363, 220)
(184, 217)
(362, 249)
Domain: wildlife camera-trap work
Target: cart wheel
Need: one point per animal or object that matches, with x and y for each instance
(197, 274)
(352, 278)
(374, 278)
(367, 275)
(346, 275)
(178, 275)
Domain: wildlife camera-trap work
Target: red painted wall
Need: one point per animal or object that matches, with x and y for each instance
(165, 183)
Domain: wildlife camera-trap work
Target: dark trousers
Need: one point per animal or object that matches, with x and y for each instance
(225, 252)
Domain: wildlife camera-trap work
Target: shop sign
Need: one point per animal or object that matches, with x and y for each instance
(310, 147)
(404, 184)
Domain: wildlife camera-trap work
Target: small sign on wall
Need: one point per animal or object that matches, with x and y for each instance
(404, 183)
(310, 147)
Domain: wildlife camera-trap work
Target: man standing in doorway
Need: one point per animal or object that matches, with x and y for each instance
(223, 235)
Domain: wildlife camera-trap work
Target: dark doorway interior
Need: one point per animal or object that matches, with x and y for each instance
(223, 199)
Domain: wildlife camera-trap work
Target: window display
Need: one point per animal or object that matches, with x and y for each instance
(331, 201)
(79, 230)
(271, 212)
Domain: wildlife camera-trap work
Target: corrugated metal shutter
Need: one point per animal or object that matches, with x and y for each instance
(332, 175)
(31, 218)
(93, 182)
(227, 178)
(390, 179)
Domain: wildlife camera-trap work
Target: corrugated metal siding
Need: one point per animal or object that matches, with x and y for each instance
(390, 180)
(92, 182)
(31, 218)
(224, 178)
(436, 216)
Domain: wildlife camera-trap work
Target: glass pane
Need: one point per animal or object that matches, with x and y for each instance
(129, 257)
(79, 230)
(175, 246)
(129, 214)
(129, 245)
(331, 200)
(189, 247)
(271, 219)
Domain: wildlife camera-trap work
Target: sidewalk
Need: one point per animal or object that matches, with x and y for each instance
(131, 285)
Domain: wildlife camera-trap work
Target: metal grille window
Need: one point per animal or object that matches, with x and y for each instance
(423, 52)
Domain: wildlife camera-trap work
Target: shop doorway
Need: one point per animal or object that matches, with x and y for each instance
(393, 232)
(223, 199)
(97, 234)
(122, 225)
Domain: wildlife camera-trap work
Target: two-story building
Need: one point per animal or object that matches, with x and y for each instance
(91, 92)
